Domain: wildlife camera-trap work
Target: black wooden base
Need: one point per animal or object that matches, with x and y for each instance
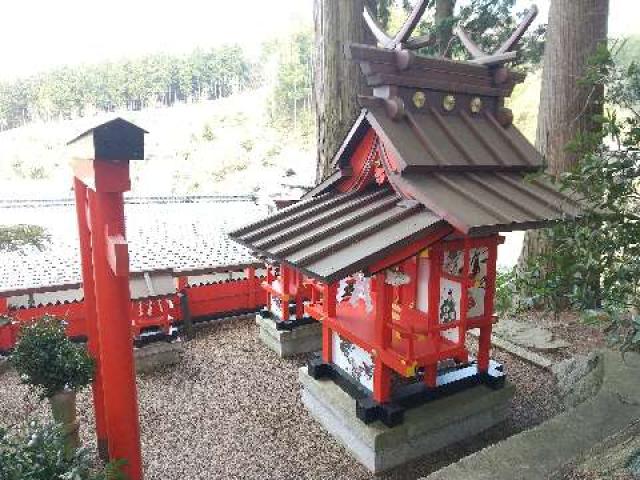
(409, 396)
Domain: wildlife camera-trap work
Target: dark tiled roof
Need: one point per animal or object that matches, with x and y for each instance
(183, 234)
(336, 234)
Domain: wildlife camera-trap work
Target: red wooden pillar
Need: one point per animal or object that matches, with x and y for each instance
(270, 278)
(250, 272)
(4, 306)
(100, 161)
(285, 283)
(382, 336)
(433, 321)
(484, 340)
(330, 310)
(299, 295)
(183, 283)
(464, 293)
(89, 305)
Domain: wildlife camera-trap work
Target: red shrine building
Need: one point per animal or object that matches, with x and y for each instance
(395, 252)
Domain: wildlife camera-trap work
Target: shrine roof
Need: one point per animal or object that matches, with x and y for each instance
(489, 202)
(336, 234)
(177, 235)
(431, 139)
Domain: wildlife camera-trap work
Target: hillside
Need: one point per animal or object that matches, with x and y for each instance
(220, 146)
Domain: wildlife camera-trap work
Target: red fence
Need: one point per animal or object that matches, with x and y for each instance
(157, 314)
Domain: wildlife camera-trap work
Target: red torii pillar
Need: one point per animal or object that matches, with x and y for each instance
(100, 162)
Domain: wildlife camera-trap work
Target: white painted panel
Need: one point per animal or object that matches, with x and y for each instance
(45, 298)
(422, 300)
(354, 360)
(476, 302)
(449, 307)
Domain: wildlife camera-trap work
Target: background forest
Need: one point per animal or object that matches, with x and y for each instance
(221, 120)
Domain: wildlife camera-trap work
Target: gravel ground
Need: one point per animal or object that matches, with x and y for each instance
(232, 410)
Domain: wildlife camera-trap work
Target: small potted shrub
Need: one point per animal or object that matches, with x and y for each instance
(56, 368)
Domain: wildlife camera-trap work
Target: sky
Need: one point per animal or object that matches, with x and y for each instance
(38, 34)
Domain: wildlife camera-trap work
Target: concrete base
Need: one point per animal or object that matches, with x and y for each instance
(158, 354)
(304, 338)
(425, 429)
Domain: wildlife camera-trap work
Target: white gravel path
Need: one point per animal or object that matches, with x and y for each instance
(232, 410)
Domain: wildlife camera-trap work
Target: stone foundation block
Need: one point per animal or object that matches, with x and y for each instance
(304, 338)
(425, 429)
(158, 354)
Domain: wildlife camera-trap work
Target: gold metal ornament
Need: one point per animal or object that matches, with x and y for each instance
(419, 99)
(476, 105)
(449, 103)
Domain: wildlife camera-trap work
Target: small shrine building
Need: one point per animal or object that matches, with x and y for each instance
(395, 252)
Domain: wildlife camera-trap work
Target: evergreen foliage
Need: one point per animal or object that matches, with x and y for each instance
(291, 98)
(48, 361)
(37, 452)
(595, 263)
(159, 79)
(17, 237)
(489, 22)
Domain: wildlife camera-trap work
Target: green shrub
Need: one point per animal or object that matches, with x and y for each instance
(37, 452)
(48, 361)
(505, 291)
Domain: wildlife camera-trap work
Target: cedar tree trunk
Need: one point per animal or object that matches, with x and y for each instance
(337, 81)
(576, 29)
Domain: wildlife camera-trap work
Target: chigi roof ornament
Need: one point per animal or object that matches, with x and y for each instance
(403, 41)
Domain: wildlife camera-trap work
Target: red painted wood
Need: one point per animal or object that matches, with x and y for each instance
(118, 255)
(410, 250)
(8, 336)
(362, 174)
(251, 284)
(205, 300)
(464, 294)
(88, 307)
(285, 282)
(103, 176)
(484, 341)
(183, 282)
(116, 345)
(328, 311)
(382, 339)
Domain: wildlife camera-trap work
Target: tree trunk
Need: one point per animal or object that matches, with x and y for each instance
(337, 81)
(444, 33)
(63, 408)
(576, 29)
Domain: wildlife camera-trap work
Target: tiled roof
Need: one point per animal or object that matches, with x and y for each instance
(182, 234)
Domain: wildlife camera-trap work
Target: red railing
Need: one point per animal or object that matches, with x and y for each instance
(151, 314)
